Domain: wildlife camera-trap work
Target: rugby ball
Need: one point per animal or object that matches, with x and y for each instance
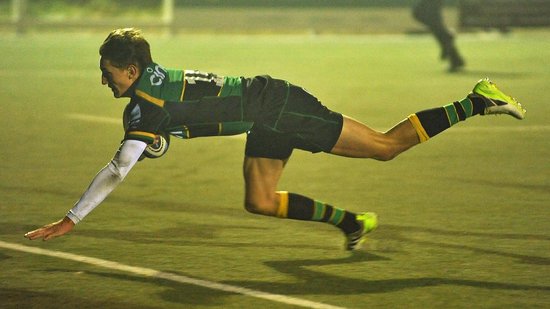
(158, 148)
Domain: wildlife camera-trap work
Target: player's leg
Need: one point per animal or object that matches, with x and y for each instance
(261, 176)
(358, 140)
(266, 155)
(261, 197)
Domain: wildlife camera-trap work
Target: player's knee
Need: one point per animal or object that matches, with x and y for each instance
(260, 207)
(388, 156)
(387, 153)
(251, 207)
(388, 146)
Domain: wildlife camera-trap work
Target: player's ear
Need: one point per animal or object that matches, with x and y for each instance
(133, 71)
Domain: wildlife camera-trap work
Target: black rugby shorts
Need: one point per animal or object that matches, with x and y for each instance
(298, 120)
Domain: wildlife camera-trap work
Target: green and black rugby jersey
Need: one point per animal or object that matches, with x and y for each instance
(185, 104)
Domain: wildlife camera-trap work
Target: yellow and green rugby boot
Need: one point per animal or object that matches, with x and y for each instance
(368, 221)
(497, 102)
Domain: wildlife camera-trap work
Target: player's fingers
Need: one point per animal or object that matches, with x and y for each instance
(35, 234)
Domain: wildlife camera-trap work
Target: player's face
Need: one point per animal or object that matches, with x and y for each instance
(119, 80)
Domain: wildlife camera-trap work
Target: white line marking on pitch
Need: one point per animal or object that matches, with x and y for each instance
(148, 272)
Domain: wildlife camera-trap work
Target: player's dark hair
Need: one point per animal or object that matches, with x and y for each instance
(126, 46)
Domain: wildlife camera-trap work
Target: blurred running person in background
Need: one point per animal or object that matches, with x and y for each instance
(277, 116)
(430, 13)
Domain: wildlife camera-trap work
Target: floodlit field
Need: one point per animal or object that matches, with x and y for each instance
(463, 218)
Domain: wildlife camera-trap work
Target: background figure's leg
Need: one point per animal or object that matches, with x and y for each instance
(429, 12)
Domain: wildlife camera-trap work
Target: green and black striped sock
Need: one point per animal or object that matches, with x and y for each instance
(429, 123)
(299, 207)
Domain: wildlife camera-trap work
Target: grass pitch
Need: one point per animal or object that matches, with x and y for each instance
(464, 217)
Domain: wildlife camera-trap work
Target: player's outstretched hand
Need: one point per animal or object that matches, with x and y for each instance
(52, 230)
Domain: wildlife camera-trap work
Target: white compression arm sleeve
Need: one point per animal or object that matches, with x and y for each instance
(107, 179)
